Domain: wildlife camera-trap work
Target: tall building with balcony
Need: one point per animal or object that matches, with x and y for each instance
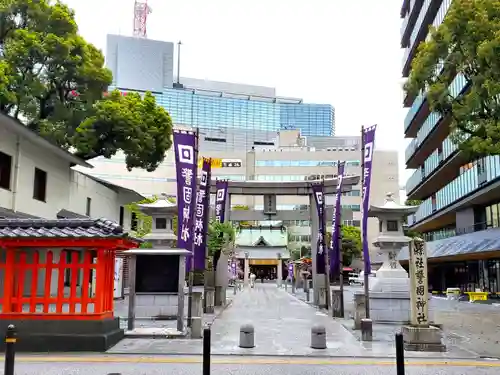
(460, 198)
(256, 112)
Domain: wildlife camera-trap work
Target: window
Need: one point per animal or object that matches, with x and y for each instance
(40, 185)
(89, 204)
(122, 214)
(5, 170)
(161, 223)
(392, 225)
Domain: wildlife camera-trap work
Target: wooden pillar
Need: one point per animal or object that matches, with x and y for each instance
(100, 288)
(8, 282)
(112, 258)
(132, 260)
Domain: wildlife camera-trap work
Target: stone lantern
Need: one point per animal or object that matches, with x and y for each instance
(390, 289)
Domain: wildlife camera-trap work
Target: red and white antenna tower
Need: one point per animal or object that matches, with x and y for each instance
(141, 11)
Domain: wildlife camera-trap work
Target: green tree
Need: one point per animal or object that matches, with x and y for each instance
(220, 236)
(53, 81)
(466, 43)
(413, 202)
(351, 243)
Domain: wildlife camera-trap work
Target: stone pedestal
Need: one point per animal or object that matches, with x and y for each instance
(390, 293)
(359, 309)
(209, 300)
(246, 271)
(337, 304)
(220, 296)
(197, 315)
(423, 339)
(322, 290)
(279, 273)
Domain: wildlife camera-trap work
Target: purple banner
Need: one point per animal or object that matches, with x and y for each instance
(368, 143)
(336, 252)
(186, 158)
(220, 200)
(202, 216)
(320, 206)
(290, 270)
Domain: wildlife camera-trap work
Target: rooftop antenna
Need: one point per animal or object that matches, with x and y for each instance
(141, 11)
(178, 84)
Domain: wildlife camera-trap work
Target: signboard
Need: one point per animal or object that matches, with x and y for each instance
(118, 279)
(419, 294)
(223, 163)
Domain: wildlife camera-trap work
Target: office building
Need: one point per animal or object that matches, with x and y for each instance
(140, 65)
(460, 198)
(291, 158)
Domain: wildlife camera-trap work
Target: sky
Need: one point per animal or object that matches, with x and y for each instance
(340, 52)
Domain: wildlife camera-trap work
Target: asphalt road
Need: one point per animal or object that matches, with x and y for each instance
(130, 365)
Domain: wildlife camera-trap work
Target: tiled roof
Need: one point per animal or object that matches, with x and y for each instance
(61, 228)
(6, 213)
(476, 242)
(67, 214)
(252, 236)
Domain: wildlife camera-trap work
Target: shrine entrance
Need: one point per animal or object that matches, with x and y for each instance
(57, 282)
(269, 191)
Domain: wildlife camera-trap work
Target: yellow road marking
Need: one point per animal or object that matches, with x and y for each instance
(252, 361)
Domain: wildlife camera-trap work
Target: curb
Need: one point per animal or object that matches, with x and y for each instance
(312, 356)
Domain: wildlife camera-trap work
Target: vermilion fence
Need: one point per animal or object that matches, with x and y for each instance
(64, 295)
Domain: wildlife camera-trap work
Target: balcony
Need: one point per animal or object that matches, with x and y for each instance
(405, 8)
(423, 145)
(479, 185)
(439, 168)
(415, 179)
(420, 30)
(409, 21)
(416, 115)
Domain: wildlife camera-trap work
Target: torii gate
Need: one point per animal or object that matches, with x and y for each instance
(270, 190)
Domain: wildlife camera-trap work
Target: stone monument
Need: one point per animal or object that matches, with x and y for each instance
(420, 335)
(390, 289)
(159, 272)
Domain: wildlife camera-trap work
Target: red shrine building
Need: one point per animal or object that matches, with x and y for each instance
(57, 282)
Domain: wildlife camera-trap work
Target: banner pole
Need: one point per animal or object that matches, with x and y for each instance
(191, 260)
(366, 275)
(325, 249)
(339, 249)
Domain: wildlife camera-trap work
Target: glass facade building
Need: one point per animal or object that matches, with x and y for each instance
(205, 110)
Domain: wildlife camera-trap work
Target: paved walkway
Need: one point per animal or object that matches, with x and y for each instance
(282, 328)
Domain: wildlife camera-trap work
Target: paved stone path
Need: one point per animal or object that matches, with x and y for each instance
(282, 328)
(282, 325)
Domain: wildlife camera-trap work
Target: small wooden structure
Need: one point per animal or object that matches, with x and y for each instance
(57, 281)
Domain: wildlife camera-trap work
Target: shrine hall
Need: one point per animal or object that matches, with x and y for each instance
(56, 282)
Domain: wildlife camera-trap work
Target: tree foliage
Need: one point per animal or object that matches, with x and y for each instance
(220, 236)
(466, 43)
(413, 202)
(351, 243)
(53, 81)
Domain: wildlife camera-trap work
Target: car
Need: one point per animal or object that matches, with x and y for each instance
(360, 279)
